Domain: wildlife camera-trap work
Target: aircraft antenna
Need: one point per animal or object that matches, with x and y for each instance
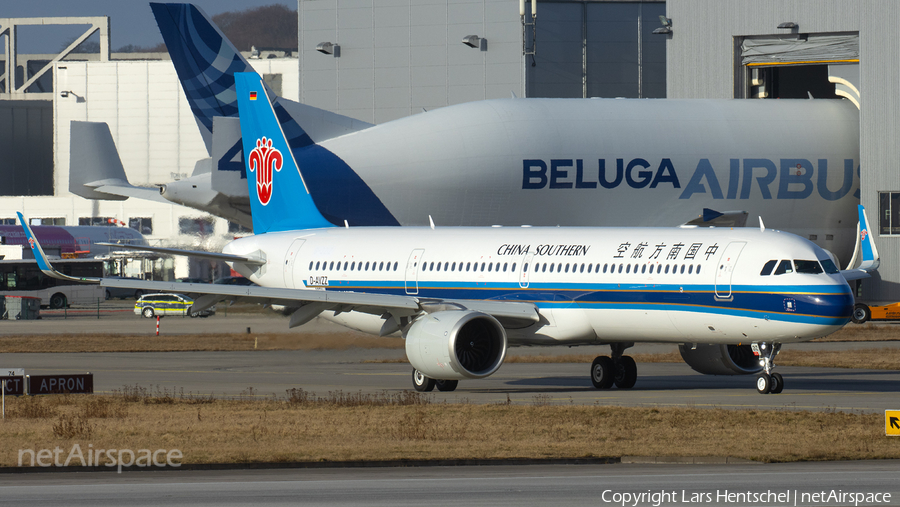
(762, 226)
(346, 224)
(430, 221)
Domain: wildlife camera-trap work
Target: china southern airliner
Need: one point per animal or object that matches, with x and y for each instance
(730, 297)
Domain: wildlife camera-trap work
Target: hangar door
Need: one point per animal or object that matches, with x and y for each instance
(795, 66)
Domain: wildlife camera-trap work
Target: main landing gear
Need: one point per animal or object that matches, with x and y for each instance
(768, 382)
(425, 384)
(618, 369)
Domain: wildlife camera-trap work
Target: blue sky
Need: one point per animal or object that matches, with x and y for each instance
(131, 21)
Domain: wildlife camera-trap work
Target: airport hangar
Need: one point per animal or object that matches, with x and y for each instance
(378, 61)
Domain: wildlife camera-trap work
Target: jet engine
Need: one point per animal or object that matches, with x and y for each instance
(454, 345)
(719, 359)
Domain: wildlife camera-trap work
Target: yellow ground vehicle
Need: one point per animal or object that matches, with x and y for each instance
(151, 305)
(863, 312)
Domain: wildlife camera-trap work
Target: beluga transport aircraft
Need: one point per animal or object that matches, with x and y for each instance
(461, 296)
(539, 161)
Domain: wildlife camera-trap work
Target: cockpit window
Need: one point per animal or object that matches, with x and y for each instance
(829, 266)
(767, 269)
(784, 267)
(808, 267)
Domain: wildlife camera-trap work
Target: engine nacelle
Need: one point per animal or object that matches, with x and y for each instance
(455, 345)
(719, 359)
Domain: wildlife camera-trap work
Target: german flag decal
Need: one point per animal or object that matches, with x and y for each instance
(252, 95)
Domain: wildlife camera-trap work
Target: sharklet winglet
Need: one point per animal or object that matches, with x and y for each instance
(42, 261)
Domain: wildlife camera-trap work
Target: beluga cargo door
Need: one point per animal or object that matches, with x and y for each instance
(726, 268)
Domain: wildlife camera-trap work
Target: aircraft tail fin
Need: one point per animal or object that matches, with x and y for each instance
(206, 62)
(279, 197)
(866, 247)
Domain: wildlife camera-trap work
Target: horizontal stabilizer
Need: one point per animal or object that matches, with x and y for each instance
(95, 169)
(713, 218)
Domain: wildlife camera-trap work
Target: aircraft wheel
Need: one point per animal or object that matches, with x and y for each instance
(626, 373)
(777, 383)
(422, 383)
(147, 312)
(861, 313)
(138, 293)
(446, 385)
(602, 372)
(763, 384)
(108, 295)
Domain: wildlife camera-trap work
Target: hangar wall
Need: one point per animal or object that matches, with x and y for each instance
(155, 133)
(701, 55)
(398, 57)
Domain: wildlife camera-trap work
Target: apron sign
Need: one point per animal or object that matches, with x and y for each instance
(15, 386)
(58, 384)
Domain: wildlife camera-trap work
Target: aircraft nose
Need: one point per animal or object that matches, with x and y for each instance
(836, 307)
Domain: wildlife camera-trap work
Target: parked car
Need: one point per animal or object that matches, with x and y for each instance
(151, 305)
(116, 292)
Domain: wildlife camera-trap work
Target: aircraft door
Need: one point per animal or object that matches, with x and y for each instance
(412, 271)
(289, 259)
(523, 271)
(725, 269)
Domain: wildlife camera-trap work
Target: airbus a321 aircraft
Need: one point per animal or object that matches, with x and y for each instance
(462, 296)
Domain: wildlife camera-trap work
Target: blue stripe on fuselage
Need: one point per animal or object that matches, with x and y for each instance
(820, 304)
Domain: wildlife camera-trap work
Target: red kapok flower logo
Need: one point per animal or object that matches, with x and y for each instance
(264, 160)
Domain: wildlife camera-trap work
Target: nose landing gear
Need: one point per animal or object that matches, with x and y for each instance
(768, 382)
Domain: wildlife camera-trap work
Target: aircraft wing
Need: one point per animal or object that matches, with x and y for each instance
(308, 302)
(216, 256)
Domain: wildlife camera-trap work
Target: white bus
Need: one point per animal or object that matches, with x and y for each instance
(24, 278)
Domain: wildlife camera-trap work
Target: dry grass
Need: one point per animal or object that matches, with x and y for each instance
(193, 342)
(344, 426)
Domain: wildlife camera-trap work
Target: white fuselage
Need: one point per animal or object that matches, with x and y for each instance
(590, 285)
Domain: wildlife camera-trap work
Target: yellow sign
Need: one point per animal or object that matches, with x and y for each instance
(892, 423)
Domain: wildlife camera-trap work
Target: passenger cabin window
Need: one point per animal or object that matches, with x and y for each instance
(808, 267)
(829, 266)
(784, 267)
(767, 269)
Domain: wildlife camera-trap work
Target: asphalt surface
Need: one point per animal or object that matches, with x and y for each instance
(273, 372)
(533, 485)
(231, 374)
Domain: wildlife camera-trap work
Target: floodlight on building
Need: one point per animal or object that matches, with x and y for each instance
(328, 48)
(474, 41)
(788, 25)
(666, 27)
